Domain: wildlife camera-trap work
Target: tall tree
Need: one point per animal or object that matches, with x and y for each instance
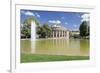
(26, 29)
(47, 28)
(29, 19)
(44, 31)
(84, 29)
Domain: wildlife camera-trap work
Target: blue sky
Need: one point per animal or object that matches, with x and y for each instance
(70, 20)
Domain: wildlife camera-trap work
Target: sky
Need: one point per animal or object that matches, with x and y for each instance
(70, 20)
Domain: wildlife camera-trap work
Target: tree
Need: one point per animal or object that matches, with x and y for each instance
(44, 31)
(30, 19)
(84, 29)
(26, 29)
(48, 29)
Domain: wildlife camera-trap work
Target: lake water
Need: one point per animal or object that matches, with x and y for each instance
(72, 47)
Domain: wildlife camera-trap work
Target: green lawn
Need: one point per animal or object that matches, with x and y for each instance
(44, 58)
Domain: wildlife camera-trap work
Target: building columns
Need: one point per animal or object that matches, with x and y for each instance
(53, 34)
(56, 33)
(64, 33)
(59, 34)
(67, 35)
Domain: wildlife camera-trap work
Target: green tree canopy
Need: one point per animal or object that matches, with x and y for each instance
(44, 31)
(26, 29)
(84, 29)
(47, 28)
(29, 19)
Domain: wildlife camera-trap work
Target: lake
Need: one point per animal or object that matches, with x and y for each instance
(71, 47)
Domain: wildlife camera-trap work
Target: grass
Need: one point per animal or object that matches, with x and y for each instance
(26, 58)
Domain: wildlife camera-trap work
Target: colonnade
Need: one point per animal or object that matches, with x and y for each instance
(59, 34)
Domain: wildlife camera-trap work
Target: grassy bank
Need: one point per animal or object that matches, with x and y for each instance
(44, 58)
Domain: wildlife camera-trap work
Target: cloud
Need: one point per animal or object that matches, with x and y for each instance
(29, 13)
(75, 26)
(62, 18)
(37, 15)
(54, 21)
(66, 23)
(85, 17)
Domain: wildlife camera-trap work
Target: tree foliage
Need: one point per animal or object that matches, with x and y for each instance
(47, 28)
(44, 31)
(30, 19)
(84, 29)
(26, 29)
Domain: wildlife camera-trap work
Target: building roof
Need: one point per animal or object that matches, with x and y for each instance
(58, 27)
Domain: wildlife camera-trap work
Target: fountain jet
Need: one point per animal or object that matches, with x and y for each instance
(33, 36)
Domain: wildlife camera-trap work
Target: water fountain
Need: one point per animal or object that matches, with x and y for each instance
(33, 36)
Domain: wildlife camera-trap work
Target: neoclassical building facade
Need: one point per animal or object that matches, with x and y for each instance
(59, 31)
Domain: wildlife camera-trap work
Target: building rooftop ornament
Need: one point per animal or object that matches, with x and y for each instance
(58, 27)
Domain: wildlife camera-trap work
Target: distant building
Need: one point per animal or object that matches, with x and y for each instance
(59, 31)
(75, 34)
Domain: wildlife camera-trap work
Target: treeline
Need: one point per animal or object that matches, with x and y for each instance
(45, 30)
(84, 29)
(41, 31)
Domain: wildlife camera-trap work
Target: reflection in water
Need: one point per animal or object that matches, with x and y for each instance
(72, 47)
(33, 48)
(84, 45)
(25, 46)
